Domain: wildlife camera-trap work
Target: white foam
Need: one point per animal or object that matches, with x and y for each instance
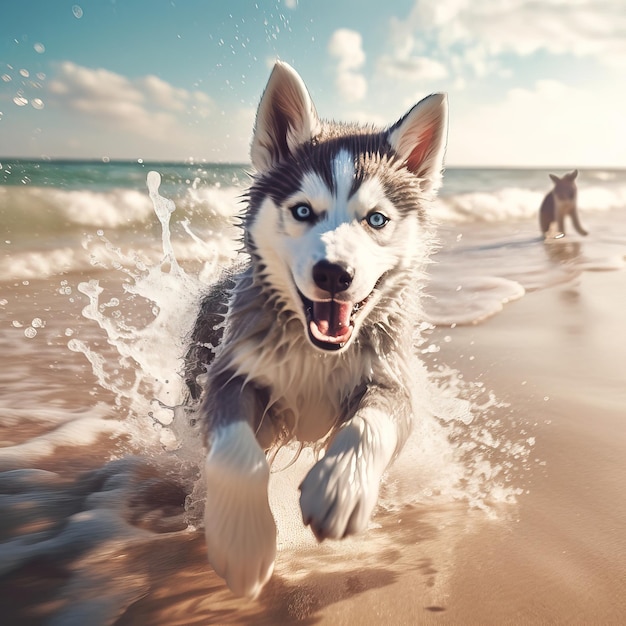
(37, 264)
(115, 208)
(480, 297)
(77, 431)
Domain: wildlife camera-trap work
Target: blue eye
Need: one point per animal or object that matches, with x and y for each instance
(302, 212)
(377, 220)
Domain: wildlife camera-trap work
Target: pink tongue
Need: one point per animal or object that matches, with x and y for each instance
(332, 318)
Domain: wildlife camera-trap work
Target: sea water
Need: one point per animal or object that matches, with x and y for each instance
(102, 270)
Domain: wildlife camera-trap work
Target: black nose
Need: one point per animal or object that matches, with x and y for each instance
(332, 277)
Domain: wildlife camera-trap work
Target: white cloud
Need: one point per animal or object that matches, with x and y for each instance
(412, 68)
(347, 47)
(550, 124)
(162, 94)
(352, 86)
(580, 27)
(99, 112)
(146, 106)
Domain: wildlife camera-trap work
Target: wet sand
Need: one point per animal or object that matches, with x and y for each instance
(558, 356)
(558, 556)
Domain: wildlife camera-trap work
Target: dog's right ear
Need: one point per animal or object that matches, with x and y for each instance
(286, 118)
(555, 179)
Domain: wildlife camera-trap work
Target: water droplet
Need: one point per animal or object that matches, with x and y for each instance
(37, 103)
(74, 345)
(20, 101)
(30, 332)
(77, 11)
(16, 324)
(546, 398)
(6, 78)
(24, 73)
(69, 332)
(40, 48)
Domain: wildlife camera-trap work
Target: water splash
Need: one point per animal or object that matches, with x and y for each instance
(164, 208)
(145, 325)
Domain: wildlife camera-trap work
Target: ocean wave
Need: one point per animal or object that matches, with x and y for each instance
(517, 203)
(208, 253)
(53, 210)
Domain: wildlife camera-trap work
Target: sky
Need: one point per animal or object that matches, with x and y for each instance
(530, 84)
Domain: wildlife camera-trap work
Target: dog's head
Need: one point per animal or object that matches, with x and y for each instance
(337, 212)
(565, 186)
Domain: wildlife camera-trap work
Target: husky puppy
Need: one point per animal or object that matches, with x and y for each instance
(316, 343)
(561, 201)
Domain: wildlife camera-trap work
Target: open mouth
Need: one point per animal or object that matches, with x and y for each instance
(331, 322)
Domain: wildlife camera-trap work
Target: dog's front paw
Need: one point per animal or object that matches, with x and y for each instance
(338, 495)
(240, 530)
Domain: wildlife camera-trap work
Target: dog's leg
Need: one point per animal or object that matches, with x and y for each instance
(577, 224)
(240, 530)
(340, 492)
(560, 221)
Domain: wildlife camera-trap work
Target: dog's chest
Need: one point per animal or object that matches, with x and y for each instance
(563, 207)
(308, 392)
(316, 393)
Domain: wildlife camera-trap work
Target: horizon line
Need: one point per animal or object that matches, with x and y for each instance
(245, 165)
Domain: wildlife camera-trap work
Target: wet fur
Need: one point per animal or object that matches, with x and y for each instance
(266, 382)
(558, 204)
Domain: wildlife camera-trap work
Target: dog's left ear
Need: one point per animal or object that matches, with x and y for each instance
(572, 175)
(420, 138)
(286, 118)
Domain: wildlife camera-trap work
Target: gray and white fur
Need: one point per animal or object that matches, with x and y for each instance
(558, 204)
(317, 341)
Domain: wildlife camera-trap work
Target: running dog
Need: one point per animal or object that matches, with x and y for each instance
(316, 341)
(561, 201)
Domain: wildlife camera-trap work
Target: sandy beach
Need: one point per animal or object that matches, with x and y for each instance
(557, 358)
